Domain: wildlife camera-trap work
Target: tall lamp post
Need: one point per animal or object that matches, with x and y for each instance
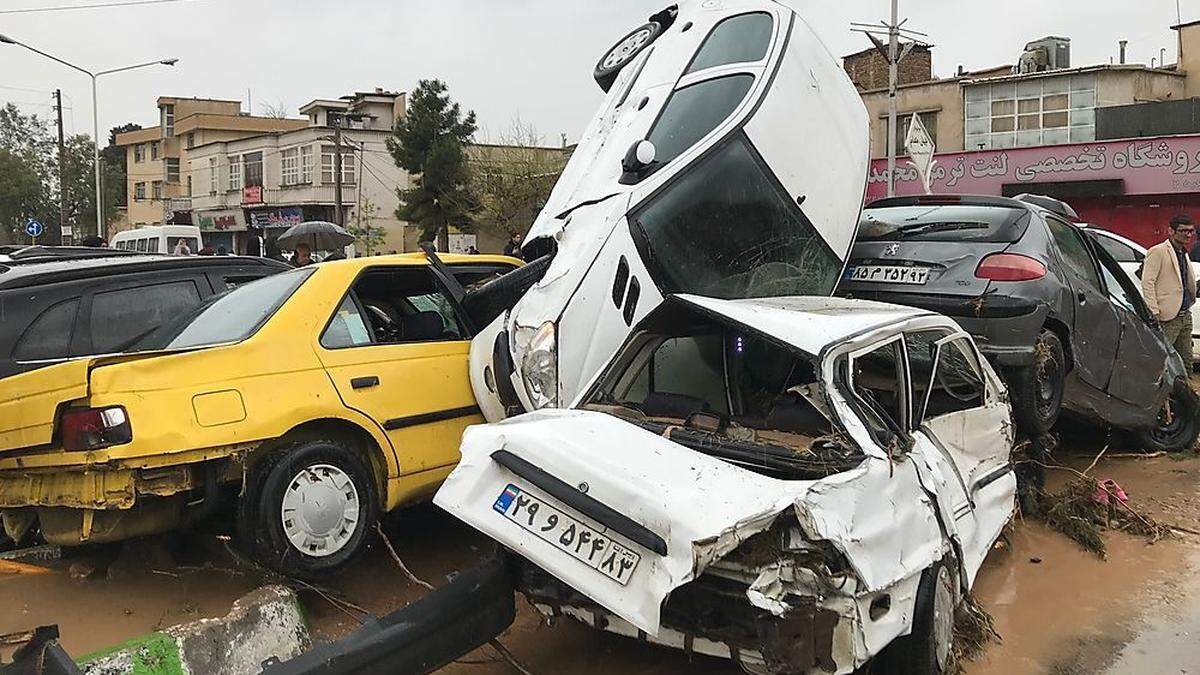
(95, 112)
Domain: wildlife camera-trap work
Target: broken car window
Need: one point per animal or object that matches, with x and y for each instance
(726, 229)
(683, 375)
(1075, 254)
(877, 380)
(738, 39)
(945, 375)
(693, 111)
(347, 328)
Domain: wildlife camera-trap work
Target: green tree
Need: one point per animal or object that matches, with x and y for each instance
(365, 232)
(115, 178)
(428, 142)
(20, 196)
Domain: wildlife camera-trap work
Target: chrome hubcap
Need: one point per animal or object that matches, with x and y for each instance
(320, 510)
(943, 617)
(628, 46)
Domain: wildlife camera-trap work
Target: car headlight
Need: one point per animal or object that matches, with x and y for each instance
(539, 367)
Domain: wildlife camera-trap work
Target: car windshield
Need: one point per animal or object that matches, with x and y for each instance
(990, 224)
(726, 229)
(229, 317)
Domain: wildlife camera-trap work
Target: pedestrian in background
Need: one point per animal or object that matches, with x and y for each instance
(513, 247)
(303, 256)
(1169, 285)
(181, 247)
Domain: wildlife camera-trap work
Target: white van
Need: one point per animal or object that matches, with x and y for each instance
(729, 160)
(157, 239)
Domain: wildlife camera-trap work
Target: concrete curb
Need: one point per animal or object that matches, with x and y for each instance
(265, 623)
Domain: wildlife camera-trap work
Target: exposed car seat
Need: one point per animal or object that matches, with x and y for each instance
(796, 414)
(421, 327)
(666, 404)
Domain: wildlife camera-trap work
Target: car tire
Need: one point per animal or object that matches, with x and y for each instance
(308, 481)
(625, 50)
(926, 650)
(1037, 390)
(497, 296)
(1176, 430)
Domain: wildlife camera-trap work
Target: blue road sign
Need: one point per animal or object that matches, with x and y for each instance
(33, 228)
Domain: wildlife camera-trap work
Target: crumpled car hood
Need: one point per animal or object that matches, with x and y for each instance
(701, 506)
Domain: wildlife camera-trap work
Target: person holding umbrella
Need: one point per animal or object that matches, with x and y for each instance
(303, 256)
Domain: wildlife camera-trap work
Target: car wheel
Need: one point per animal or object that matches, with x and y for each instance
(1037, 390)
(307, 507)
(626, 49)
(927, 649)
(1176, 427)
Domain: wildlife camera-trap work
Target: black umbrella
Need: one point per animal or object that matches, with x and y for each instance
(320, 235)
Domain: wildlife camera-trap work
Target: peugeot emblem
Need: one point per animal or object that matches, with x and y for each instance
(583, 487)
(892, 249)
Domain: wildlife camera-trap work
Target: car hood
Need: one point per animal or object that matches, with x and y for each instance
(702, 508)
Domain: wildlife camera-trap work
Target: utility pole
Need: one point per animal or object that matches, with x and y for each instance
(893, 53)
(337, 170)
(64, 237)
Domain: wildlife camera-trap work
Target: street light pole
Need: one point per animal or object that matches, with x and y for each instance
(95, 114)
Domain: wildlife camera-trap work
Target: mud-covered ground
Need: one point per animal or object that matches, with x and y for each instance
(1058, 608)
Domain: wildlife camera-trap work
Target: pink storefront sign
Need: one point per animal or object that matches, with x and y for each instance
(1164, 165)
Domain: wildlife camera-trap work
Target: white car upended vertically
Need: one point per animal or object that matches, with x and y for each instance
(728, 160)
(799, 485)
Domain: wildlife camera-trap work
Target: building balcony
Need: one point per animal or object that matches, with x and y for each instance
(252, 197)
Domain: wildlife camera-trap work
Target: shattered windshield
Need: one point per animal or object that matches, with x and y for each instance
(731, 395)
(990, 224)
(229, 317)
(726, 229)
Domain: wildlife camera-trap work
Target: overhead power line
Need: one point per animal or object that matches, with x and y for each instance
(98, 5)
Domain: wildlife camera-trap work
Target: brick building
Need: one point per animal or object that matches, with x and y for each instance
(869, 70)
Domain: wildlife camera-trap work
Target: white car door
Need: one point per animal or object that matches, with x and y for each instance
(962, 428)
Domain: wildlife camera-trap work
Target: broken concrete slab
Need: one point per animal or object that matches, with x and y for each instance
(265, 623)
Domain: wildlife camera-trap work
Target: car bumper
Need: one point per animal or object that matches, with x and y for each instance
(1005, 329)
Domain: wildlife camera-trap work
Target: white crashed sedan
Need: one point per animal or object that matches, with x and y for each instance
(797, 484)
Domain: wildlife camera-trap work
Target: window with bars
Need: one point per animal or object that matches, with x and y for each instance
(168, 120)
(290, 162)
(172, 169)
(139, 191)
(139, 152)
(1038, 111)
(154, 149)
(327, 165)
(213, 176)
(235, 172)
(156, 190)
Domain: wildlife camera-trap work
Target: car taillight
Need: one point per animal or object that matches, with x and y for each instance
(1010, 267)
(92, 428)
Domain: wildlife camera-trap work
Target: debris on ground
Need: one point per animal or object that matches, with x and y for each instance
(973, 631)
(1085, 507)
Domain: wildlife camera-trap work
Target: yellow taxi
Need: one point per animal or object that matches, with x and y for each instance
(316, 398)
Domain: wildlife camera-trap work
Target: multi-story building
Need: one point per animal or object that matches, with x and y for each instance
(1046, 126)
(159, 183)
(262, 184)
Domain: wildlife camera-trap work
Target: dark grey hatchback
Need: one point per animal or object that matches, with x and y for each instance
(1055, 313)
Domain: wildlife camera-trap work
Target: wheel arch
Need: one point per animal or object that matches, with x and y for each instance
(1056, 326)
(353, 434)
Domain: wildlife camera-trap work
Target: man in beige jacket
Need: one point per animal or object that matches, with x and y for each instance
(1169, 285)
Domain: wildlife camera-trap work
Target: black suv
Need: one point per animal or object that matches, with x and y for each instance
(59, 302)
(1054, 311)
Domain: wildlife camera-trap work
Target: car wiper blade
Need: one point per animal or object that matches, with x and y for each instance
(926, 228)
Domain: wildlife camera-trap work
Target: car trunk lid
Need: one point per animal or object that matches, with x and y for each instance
(662, 513)
(950, 267)
(29, 402)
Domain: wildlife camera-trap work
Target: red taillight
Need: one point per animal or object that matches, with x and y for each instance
(1010, 267)
(91, 428)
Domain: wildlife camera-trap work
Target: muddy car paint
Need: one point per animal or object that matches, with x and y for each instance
(800, 123)
(1129, 255)
(889, 517)
(1106, 330)
(202, 415)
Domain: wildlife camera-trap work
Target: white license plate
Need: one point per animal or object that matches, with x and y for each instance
(582, 542)
(888, 274)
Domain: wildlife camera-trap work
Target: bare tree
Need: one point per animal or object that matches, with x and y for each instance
(278, 110)
(365, 232)
(513, 178)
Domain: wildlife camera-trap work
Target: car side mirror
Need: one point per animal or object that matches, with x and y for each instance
(638, 159)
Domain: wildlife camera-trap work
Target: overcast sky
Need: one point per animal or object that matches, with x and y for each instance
(501, 58)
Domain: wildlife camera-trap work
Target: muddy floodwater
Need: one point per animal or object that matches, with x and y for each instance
(1058, 609)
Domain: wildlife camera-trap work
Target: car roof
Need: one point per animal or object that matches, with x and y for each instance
(36, 270)
(808, 323)
(418, 258)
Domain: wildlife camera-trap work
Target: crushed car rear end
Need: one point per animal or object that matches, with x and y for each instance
(775, 533)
